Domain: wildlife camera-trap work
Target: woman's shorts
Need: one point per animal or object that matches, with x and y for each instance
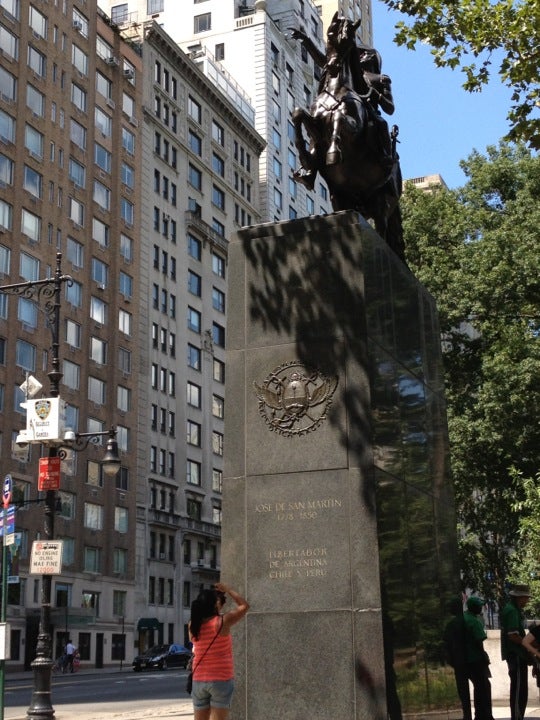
(215, 693)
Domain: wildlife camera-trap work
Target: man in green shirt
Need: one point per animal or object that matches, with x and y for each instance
(512, 622)
(477, 658)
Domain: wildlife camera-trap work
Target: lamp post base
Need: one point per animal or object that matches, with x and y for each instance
(40, 706)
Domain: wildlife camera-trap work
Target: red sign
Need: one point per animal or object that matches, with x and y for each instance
(49, 473)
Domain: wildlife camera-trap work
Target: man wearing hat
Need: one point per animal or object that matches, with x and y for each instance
(477, 658)
(513, 651)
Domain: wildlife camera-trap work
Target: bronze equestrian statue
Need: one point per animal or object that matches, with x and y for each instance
(349, 142)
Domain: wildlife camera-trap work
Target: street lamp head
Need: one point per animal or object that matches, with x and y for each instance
(111, 460)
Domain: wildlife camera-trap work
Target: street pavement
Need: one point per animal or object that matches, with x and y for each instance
(183, 710)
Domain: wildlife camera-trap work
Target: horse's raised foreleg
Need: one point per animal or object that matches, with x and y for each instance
(307, 171)
(302, 119)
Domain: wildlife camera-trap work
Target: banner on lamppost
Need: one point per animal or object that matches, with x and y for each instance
(49, 473)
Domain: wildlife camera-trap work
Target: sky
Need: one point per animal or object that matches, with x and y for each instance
(439, 122)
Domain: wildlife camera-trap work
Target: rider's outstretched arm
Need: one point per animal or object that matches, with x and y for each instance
(319, 58)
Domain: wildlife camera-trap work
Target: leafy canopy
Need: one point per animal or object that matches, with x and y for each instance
(473, 34)
(476, 250)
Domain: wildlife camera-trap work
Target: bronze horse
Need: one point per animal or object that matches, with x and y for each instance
(349, 143)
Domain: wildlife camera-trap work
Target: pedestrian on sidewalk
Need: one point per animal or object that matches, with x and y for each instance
(213, 668)
(512, 621)
(454, 643)
(69, 652)
(477, 658)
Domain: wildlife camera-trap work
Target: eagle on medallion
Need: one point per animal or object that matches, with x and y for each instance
(294, 400)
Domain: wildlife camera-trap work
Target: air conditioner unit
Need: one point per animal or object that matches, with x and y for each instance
(129, 74)
(77, 25)
(162, 556)
(200, 563)
(111, 103)
(112, 61)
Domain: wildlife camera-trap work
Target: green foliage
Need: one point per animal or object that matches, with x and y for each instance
(472, 35)
(476, 251)
(526, 559)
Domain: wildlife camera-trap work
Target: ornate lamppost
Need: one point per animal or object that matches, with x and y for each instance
(48, 291)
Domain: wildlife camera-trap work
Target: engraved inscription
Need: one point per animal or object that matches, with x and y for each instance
(287, 563)
(298, 510)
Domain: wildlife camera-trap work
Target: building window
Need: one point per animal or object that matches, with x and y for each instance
(120, 557)
(193, 472)
(93, 516)
(100, 232)
(91, 562)
(219, 371)
(98, 310)
(193, 433)
(194, 247)
(218, 133)
(193, 395)
(218, 300)
(217, 480)
(195, 177)
(194, 110)
(94, 473)
(194, 357)
(96, 390)
(202, 23)
(195, 143)
(72, 375)
(194, 509)
(217, 443)
(25, 355)
(218, 334)
(218, 165)
(218, 406)
(119, 608)
(218, 265)
(73, 334)
(194, 283)
(218, 197)
(121, 519)
(194, 320)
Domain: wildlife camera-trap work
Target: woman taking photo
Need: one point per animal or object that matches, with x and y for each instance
(213, 668)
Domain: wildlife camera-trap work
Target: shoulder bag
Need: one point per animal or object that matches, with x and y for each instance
(189, 681)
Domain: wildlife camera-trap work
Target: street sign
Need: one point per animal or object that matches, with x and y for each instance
(6, 492)
(46, 557)
(9, 526)
(49, 473)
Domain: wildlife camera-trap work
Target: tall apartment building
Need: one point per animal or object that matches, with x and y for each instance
(119, 153)
(200, 184)
(251, 42)
(70, 168)
(352, 9)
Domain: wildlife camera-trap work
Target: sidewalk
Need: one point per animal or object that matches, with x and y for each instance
(500, 682)
(183, 710)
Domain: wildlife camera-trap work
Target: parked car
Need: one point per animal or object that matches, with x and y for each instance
(162, 657)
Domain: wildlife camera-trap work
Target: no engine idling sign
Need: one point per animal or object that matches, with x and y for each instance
(46, 558)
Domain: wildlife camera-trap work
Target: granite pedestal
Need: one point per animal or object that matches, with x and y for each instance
(300, 528)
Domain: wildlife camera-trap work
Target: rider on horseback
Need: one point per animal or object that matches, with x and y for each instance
(369, 87)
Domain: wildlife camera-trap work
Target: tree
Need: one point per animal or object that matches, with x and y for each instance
(476, 250)
(526, 558)
(471, 35)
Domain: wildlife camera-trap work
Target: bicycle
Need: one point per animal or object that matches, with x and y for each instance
(59, 664)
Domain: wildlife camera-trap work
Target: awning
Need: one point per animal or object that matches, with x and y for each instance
(148, 624)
